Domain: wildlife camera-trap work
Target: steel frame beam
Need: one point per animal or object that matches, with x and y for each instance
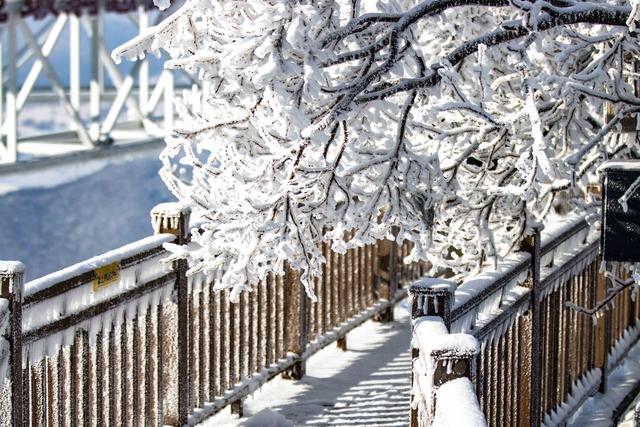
(90, 124)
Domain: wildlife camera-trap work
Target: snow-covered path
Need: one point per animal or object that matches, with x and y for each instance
(368, 385)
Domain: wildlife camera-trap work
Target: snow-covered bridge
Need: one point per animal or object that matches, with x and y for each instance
(125, 338)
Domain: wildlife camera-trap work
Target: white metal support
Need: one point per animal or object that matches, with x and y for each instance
(121, 97)
(36, 68)
(29, 55)
(118, 81)
(74, 61)
(57, 87)
(96, 84)
(11, 128)
(23, 55)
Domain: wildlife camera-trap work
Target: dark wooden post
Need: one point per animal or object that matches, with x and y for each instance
(298, 322)
(386, 281)
(173, 218)
(534, 248)
(11, 282)
(432, 297)
(429, 297)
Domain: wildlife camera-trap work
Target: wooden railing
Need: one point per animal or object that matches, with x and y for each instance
(539, 360)
(125, 339)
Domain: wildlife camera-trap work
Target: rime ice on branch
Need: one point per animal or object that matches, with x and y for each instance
(457, 124)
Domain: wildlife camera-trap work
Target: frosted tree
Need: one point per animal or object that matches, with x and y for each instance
(454, 124)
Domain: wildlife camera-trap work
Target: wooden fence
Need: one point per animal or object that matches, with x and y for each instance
(539, 360)
(125, 339)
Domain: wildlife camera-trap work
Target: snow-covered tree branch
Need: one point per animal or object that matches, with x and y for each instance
(454, 124)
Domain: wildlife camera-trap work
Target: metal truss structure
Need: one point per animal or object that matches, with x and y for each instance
(96, 113)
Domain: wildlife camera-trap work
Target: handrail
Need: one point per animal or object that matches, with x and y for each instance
(539, 360)
(83, 272)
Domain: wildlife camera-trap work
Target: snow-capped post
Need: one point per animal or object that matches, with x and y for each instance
(432, 297)
(438, 358)
(173, 218)
(429, 297)
(386, 281)
(11, 282)
(297, 322)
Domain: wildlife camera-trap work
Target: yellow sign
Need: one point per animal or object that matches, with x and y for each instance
(106, 276)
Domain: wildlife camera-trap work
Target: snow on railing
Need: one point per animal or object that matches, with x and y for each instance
(127, 336)
(53, 304)
(525, 329)
(442, 393)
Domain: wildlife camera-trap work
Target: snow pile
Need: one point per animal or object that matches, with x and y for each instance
(495, 303)
(457, 405)
(268, 418)
(475, 285)
(9, 268)
(565, 254)
(618, 351)
(581, 389)
(427, 328)
(435, 284)
(597, 411)
(431, 337)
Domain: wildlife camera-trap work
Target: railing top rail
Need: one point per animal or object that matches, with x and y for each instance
(558, 231)
(585, 253)
(473, 291)
(68, 278)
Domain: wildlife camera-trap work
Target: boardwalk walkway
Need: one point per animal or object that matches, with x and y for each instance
(368, 385)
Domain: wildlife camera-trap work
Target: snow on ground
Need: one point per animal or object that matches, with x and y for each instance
(368, 385)
(628, 419)
(597, 410)
(51, 219)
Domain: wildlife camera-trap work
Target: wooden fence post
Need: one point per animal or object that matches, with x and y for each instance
(173, 218)
(534, 248)
(11, 283)
(296, 311)
(386, 281)
(429, 297)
